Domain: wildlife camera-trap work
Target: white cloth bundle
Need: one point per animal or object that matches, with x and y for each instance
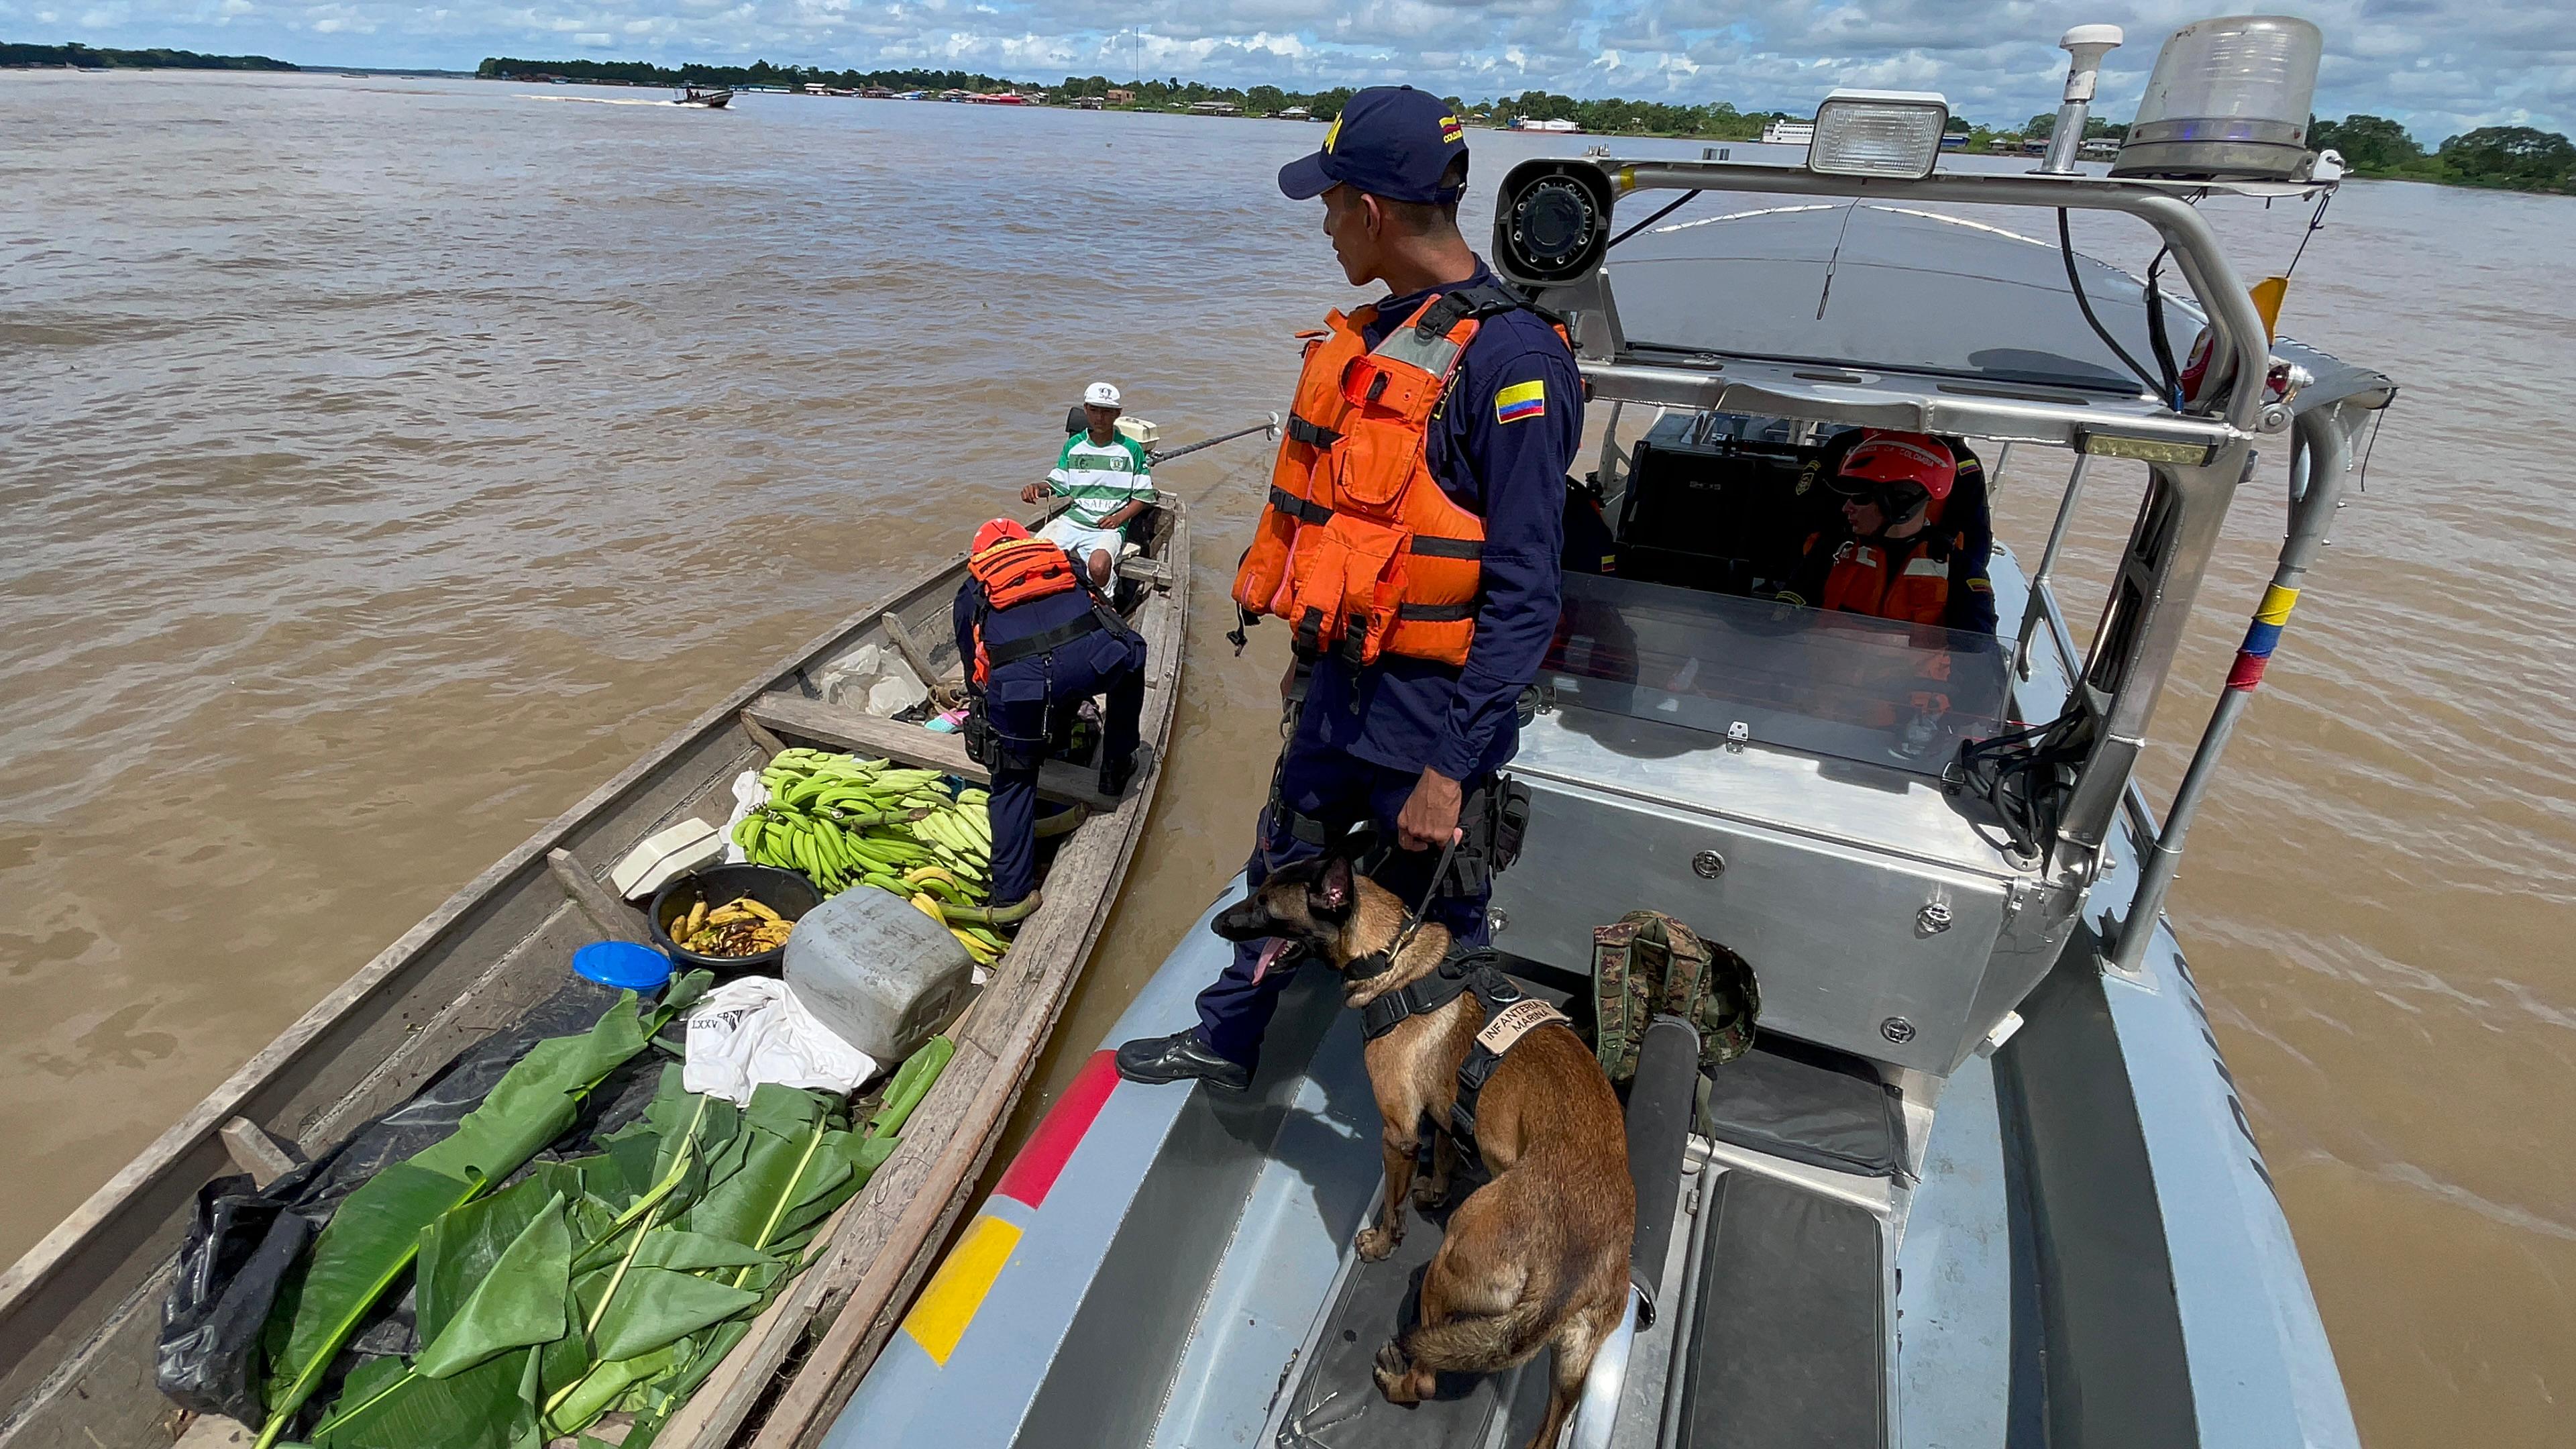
(754, 1030)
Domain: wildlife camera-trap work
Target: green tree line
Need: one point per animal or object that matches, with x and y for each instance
(90, 58)
(2517, 158)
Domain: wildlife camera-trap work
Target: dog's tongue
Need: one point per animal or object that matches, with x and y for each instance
(1270, 955)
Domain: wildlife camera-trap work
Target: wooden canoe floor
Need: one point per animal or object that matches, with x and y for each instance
(874, 1254)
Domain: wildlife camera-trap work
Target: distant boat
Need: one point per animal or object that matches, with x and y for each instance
(714, 98)
(1524, 123)
(1789, 133)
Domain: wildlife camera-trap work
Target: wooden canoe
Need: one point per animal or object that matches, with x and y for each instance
(80, 1313)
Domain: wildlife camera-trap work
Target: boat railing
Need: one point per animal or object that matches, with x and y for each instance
(2197, 455)
(2320, 460)
(2164, 206)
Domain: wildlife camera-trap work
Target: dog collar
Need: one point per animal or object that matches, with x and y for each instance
(1456, 973)
(1377, 963)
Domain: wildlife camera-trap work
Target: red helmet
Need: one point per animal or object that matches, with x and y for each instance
(1885, 463)
(997, 531)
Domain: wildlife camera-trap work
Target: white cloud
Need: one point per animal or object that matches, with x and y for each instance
(2439, 65)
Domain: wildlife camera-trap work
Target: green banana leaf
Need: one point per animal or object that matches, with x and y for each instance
(687, 1252)
(654, 1307)
(458, 1250)
(385, 1406)
(618, 1281)
(784, 1128)
(790, 1152)
(365, 1247)
(591, 1397)
(535, 1100)
(912, 1082)
(375, 1234)
(561, 1364)
(518, 1303)
(842, 1166)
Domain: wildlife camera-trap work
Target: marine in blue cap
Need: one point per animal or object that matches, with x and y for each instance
(1400, 720)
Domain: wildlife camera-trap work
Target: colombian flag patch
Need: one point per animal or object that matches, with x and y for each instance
(1451, 131)
(1521, 400)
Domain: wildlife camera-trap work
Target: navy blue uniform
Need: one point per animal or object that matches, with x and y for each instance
(1366, 735)
(1022, 697)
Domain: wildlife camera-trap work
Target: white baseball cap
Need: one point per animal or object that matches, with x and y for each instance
(1100, 395)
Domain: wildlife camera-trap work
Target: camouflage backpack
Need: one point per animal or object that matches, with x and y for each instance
(1651, 963)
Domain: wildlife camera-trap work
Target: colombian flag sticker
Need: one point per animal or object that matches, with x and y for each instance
(1521, 400)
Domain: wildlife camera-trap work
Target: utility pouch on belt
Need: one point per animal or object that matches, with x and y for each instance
(978, 732)
(1494, 819)
(1511, 813)
(1649, 963)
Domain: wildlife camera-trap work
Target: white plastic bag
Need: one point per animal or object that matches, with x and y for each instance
(754, 1030)
(748, 795)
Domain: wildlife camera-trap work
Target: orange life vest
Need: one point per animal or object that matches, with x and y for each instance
(1910, 584)
(1016, 571)
(1359, 549)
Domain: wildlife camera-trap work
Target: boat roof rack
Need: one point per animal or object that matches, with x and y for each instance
(2063, 411)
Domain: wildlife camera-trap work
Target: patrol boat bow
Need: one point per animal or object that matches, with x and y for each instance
(1985, 1179)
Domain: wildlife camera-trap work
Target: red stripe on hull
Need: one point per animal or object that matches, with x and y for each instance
(1032, 1174)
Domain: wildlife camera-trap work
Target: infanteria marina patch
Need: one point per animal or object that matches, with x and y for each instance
(1514, 1022)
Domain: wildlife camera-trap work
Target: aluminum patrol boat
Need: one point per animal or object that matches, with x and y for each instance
(1985, 1179)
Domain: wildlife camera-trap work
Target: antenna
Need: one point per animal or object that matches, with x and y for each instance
(2087, 44)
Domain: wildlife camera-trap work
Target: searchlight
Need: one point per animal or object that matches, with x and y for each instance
(1893, 134)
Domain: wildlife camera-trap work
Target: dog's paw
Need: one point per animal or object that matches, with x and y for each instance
(1430, 1192)
(1375, 1243)
(1395, 1376)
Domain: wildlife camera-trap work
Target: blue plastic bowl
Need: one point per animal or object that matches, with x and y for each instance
(623, 965)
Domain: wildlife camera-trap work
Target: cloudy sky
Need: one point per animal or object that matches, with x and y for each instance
(2441, 66)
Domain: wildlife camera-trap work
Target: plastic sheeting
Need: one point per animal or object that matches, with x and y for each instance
(241, 1242)
(238, 1249)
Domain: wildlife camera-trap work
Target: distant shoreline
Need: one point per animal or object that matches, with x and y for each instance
(84, 57)
(1719, 122)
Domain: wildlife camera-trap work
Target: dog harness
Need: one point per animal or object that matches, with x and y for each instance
(1509, 1016)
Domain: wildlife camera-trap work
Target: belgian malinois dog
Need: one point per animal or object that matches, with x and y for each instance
(1539, 1255)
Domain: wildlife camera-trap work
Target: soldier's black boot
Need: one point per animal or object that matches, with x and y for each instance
(1179, 1057)
(1116, 775)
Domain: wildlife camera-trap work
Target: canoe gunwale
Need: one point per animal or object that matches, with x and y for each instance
(72, 1306)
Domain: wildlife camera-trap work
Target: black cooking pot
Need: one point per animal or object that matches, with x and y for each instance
(784, 891)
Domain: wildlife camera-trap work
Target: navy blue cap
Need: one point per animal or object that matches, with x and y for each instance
(1390, 141)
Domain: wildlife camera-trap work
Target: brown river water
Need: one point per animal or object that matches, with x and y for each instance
(383, 464)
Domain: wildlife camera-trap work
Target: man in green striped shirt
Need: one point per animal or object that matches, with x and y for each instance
(1106, 475)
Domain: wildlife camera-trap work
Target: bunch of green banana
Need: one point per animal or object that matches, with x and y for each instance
(845, 821)
(961, 837)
